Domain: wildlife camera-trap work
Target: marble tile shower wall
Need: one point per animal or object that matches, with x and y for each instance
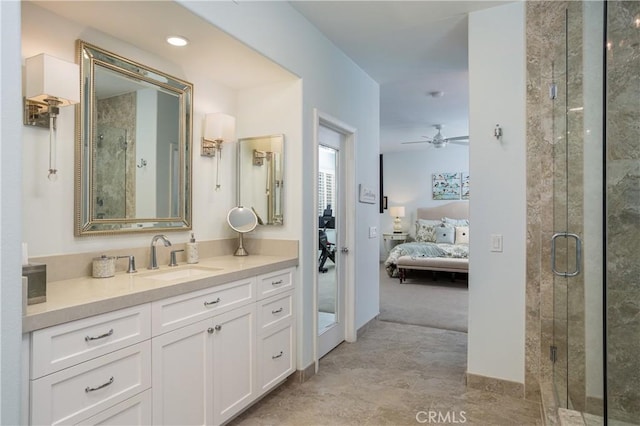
(623, 211)
(545, 23)
(116, 157)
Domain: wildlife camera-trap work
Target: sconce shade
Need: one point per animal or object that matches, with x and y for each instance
(397, 211)
(47, 77)
(219, 126)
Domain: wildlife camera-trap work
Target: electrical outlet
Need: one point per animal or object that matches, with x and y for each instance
(373, 232)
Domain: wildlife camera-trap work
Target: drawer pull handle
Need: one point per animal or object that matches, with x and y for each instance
(277, 311)
(212, 303)
(277, 356)
(276, 282)
(102, 336)
(104, 385)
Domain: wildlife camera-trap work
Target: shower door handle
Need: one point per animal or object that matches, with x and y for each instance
(578, 254)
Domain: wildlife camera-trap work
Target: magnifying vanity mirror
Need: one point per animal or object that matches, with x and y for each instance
(260, 177)
(242, 220)
(133, 149)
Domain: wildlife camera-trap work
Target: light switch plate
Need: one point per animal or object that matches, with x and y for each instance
(496, 242)
(373, 232)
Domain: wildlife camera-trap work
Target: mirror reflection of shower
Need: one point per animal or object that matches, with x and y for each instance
(273, 181)
(114, 175)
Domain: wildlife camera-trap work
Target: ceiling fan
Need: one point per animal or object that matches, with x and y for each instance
(439, 141)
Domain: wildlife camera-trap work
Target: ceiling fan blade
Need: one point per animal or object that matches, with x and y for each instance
(458, 138)
(465, 143)
(407, 143)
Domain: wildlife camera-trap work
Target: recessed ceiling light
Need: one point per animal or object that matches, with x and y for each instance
(177, 41)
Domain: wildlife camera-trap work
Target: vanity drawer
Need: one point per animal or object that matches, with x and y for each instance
(276, 358)
(77, 393)
(67, 344)
(275, 310)
(135, 411)
(175, 312)
(275, 282)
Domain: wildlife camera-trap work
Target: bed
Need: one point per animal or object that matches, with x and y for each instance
(440, 242)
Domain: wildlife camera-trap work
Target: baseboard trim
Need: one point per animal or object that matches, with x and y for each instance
(495, 385)
(305, 374)
(362, 330)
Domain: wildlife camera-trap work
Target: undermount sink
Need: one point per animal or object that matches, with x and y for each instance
(176, 274)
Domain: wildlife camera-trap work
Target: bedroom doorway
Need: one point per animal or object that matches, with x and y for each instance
(334, 284)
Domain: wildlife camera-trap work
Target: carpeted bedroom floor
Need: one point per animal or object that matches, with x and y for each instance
(421, 301)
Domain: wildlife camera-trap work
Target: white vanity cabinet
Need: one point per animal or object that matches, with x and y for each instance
(204, 372)
(216, 351)
(196, 358)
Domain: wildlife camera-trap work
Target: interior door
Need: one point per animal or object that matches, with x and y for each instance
(332, 248)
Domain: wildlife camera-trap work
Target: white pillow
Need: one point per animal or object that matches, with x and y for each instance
(462, 235)
(455, 222)
(445, 234)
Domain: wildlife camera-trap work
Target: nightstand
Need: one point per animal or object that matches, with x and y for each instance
(394, 239)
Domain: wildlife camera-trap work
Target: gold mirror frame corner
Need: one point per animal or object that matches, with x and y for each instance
(85, 224)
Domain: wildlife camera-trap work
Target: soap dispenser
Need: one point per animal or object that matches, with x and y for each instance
(192, 250)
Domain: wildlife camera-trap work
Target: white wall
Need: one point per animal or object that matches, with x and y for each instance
(10, 214)
(333, 84)
(407, 181)
(498, 185)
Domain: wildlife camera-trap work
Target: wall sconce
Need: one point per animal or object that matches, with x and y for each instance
(218, 128)
(397, 212)
(497, 132)
(50, 83)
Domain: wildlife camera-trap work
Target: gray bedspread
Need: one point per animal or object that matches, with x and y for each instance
(417, 250)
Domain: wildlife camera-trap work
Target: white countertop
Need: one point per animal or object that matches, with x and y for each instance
(78, 298)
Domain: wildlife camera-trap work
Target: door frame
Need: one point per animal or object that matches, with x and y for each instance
(349, 133)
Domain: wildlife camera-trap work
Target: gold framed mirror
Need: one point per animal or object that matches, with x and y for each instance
(133, 146)
(260, 177)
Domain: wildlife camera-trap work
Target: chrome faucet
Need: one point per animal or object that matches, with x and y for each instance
(153, 262)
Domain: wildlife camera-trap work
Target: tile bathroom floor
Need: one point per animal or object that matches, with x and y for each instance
(395, 374)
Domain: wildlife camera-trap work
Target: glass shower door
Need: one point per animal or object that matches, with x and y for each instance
(577, 236)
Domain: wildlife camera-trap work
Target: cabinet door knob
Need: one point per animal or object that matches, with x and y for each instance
(210, 330)
(218, 327)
